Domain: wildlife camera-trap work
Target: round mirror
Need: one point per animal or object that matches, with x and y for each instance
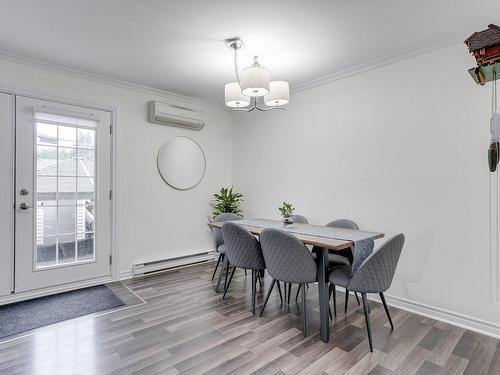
(181, 163)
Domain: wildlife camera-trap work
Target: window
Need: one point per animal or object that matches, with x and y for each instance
(65, 189)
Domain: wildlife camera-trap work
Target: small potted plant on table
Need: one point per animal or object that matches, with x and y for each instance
(286, 211)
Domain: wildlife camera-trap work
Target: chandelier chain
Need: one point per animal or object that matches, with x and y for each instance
(236, 70)
(494, 99)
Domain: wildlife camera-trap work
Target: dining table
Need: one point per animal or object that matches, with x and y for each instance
(325, 239)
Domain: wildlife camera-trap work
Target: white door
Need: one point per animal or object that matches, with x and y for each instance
(63, 181)
(6, 193)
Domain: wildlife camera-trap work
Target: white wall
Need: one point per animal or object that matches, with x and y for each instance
(398, 149)
(153, 220)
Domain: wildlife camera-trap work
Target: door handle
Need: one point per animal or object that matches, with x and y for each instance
(24, 206)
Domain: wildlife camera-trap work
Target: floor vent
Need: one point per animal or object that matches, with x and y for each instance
(157, 266)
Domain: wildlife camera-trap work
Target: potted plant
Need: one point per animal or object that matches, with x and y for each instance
(286, 211)
(227, 201)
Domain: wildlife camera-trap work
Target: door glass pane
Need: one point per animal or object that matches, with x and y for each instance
(66, 248)
(67, 136)
(65, 191)
(66, 219)
(86, 188)
(86, 246)
(67, 162)
(85, 163)
(46, 252)
(46, 134)
(46, 160)
(86, 138)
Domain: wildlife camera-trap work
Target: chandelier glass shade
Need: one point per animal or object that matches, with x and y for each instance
(279, 94)
(255, 81)
(233, 96)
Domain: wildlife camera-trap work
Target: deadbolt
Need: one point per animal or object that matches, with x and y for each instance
(23, 192)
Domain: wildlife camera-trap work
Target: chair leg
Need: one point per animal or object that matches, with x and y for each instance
(268, 295)
(254, 281)
(228, 283)
(289, 291)
(330, 296)
(357, 298)
(221, 273)
(367, 318)
(279, 290)
(217, 265)
(245, 271)
(382, 297)
(259, 278)
(346, 300)
(334, 294)
(227, 273)
(304, 311)
(298, 291)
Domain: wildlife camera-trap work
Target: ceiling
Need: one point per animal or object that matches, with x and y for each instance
(177, 45)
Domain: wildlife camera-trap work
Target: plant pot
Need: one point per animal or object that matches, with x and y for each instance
(287, 220)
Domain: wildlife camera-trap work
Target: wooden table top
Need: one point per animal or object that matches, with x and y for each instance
(324, 242)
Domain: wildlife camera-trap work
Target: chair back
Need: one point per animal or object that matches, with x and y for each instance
(287, 258)
(377, 271)
(242, 248)
(343, 223)
(216, 232)
(299, 219)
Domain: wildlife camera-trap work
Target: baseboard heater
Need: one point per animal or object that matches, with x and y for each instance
(157, 266)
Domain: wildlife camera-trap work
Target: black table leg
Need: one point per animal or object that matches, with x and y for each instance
(322, 259)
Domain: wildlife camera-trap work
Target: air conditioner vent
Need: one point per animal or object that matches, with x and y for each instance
(168, 114)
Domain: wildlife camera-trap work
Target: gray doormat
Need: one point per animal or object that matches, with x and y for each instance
(23, 316)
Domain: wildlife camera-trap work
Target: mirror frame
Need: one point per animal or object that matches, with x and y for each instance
(159, 169)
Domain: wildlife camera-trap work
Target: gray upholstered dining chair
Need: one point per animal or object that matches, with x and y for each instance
(242, 251)
(287, 260)
(300, 219)
(373, 276)
(220, 248)
(341, 257)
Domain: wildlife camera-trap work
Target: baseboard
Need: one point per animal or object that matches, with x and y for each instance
(128, 274)
(125, 275)
(443, 315)
(460, 320)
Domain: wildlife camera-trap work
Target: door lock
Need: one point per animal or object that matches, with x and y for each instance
(23, 192)
(24, 206)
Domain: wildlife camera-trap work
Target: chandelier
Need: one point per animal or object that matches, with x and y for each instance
(253, 88)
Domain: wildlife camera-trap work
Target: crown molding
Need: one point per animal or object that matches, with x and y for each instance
(419, 49)
(416, 50)
(59, 69)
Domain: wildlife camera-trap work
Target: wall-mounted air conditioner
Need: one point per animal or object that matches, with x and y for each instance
(168, 114)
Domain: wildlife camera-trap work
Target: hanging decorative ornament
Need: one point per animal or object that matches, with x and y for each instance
(485, 47)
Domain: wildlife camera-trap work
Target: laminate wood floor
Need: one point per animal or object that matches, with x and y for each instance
(185, 327)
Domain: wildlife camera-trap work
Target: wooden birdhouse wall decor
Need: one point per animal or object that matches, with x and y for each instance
(485, 47)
